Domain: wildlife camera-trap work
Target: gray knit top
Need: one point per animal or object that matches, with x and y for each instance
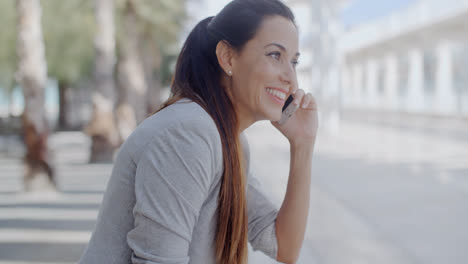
(160, 205)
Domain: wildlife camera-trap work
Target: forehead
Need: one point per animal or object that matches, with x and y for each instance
(277, 30)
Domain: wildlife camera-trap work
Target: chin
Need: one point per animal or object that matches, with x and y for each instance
(273, 115)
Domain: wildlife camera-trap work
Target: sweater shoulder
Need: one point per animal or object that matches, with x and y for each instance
(184, 119)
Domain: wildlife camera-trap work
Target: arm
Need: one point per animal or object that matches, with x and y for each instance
(292, 217)
(261, 212)
(262, 216)
(301, 131)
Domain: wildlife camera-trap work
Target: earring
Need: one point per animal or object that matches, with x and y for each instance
(229, 73)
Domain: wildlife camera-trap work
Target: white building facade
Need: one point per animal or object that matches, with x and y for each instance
(413, 61)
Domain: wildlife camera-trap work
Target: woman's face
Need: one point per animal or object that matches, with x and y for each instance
(263, 72)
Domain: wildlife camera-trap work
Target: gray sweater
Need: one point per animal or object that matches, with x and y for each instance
(160, 205)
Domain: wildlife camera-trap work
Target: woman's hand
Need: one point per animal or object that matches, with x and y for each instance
(301, 127)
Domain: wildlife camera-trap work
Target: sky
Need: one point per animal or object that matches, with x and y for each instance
(360, 11)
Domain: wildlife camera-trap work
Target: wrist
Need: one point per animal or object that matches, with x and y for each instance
(302, 145)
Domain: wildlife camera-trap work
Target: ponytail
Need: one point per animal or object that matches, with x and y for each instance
(197, 77)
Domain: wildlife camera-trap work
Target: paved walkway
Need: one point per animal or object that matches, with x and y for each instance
(380, 194)
(383, 192)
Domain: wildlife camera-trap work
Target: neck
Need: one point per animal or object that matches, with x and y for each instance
(244, 118)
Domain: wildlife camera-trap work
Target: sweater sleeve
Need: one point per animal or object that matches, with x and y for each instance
(261, 213)
(173, 178)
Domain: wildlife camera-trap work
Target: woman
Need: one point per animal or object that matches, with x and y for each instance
(179, 192)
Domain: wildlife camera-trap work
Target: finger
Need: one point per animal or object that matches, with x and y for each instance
(306, 100)
(312, 103)
(298, 96)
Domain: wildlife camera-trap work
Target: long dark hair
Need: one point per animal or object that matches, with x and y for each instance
(198, 77)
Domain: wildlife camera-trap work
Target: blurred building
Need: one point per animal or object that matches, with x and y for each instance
(320, 29)
(411, 61)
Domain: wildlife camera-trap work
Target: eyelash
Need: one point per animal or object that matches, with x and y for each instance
(276, 53)
(273, 54)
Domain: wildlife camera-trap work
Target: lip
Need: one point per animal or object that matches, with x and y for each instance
(275, 98)
(280, 89)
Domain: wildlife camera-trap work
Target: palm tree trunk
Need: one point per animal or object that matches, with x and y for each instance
(102, 127)
(64, 104)
(151, 58)
(11, 88)
(32, 76)
(132, 101)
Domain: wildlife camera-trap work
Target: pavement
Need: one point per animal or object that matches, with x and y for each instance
(384, 190)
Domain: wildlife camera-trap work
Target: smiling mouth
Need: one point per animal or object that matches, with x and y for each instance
(277, 93)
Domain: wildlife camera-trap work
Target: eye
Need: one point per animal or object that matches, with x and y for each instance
(295, 63)
(275, 55)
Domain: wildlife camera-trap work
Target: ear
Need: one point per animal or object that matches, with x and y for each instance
(225, 53)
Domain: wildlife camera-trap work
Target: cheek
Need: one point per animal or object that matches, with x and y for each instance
(253, 77)
(249, 77)
(258, 81)
(266, 74)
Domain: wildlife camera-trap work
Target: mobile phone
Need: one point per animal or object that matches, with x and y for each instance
(288, 110)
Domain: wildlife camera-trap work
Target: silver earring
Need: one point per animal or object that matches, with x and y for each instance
(229, 73)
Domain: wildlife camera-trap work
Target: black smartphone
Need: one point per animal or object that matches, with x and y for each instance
(288, 110)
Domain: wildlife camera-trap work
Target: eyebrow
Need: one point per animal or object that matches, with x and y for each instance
(281, 47)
